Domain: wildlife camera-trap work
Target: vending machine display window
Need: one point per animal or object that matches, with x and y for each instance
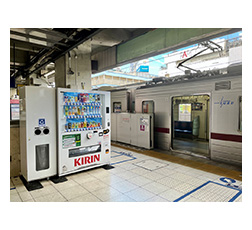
(82, 111)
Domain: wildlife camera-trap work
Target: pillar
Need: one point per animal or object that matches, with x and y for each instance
(80, 65)
(60, 72)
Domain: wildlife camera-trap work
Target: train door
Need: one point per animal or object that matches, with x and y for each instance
(190, 124)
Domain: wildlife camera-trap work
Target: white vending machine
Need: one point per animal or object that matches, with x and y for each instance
(83, 130)
(37, 132)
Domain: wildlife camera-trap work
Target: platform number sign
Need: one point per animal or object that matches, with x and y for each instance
(41, 122)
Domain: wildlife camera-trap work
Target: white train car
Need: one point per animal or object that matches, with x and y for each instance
(197, 113)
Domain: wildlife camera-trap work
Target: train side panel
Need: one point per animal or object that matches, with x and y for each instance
(226, 136)
(222, 120)
(120, 97)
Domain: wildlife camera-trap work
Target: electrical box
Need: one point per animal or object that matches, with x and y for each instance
(83, 130)
(37, 132)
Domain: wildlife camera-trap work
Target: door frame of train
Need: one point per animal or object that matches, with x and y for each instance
(209, 116)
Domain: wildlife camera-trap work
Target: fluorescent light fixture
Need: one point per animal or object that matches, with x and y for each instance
(49, 73)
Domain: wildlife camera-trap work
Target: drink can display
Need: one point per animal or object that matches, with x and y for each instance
(65, 99)
(66, 110)
(83, 111)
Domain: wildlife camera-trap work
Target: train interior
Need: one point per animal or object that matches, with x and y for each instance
(190, 125)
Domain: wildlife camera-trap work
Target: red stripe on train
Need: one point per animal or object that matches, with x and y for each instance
(226, 137)
(162, 130)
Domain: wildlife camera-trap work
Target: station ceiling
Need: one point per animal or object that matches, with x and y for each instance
(34, 49)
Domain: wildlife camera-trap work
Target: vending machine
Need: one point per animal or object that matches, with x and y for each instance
(83, 130)
(38, 132)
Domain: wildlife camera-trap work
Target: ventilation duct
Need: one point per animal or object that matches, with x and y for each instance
(223, 85)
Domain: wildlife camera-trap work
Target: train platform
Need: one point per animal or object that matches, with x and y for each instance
(140, 175)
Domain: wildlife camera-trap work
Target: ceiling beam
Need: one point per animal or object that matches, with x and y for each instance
(52, 33)
(27, 44)
(29, 36)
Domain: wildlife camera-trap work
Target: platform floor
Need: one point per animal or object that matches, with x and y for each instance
(139, 176)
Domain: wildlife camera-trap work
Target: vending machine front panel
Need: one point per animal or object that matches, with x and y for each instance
(83, 130)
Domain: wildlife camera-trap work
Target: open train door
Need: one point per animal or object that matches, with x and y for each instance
(190, 124)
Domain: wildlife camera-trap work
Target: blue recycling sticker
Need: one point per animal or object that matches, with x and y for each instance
(41, 122)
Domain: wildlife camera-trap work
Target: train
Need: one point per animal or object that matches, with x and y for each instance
(196, 113)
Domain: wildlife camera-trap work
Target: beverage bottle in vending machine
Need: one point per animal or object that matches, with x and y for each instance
(82, 110)
(74, 112)
(90, 97)
(66, 110)
(72, 99)
(70, 111)
(85, 123)
(79, 97)
(65, 99)
(79, 110)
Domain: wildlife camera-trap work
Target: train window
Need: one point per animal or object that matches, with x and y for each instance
(185, 112)
(148, 107)
(240, 113)
(117, 107)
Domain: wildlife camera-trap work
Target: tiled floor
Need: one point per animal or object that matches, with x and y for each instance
(133, 179)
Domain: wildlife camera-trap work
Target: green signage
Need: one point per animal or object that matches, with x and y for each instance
(72, 140)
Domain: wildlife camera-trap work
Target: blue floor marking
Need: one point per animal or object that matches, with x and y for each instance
(201, 186)
(121, 154)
